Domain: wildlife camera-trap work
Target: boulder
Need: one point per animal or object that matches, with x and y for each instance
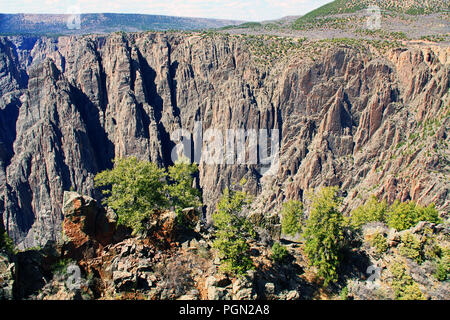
(124, 281)
(87, 226)
(269, 288)
(216, 293)
(163, 228)
(189, 296)
(243, 287)
(292, 295)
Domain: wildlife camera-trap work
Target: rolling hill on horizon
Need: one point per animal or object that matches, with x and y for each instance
(408, 7)
(412, 7)
(44, 24)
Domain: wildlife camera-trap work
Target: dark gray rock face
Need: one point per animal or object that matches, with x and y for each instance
(70, 105)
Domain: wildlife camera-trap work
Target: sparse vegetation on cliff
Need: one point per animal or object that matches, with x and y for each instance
(324, 235)
(233, 231)
(292, 217)
(279, 253)
(135, 189)
(6, 242)
(400, 215)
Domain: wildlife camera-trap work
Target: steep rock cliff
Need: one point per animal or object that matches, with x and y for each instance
(370, 121)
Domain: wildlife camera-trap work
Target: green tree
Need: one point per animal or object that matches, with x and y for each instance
(442, 272)
(137, 189)
(371, 211)
(344, 293)
(279, 253)
(429, 214)
(410, 247)
(404, 215)
(232, 232)
(379, 242)
(180, 188)
(6, 242)
(405, 288)
(291, 217)
(324, 235)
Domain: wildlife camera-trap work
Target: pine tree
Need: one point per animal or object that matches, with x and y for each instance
(136, 190)
(324, 234)
(291, 217)
(232, 232)
(180, 189)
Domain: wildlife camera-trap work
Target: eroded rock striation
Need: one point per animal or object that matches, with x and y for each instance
(371, 121)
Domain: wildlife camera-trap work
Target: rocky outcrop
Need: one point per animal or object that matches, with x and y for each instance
(188, 268)
(87, 226)
(369, 121)
(418, 262)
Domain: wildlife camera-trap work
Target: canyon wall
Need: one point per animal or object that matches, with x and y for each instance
(368, 121)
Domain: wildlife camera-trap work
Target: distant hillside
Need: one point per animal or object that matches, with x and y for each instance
(102, 23)
(412, 7)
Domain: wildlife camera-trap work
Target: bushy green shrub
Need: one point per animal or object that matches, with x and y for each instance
(344, 293)
(324, 236)
(291, 217)
(410, 247)
(443, 266)
(411, 292)
(136, 188)
(379, 242)
(430, 247)
(371, 211)
(6, 242)
(181, 191)
(233, 231)
(279, 253)
(404, 215)
(400, 216)
(405, 288)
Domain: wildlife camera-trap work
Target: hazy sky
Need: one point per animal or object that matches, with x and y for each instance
(254, 10)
